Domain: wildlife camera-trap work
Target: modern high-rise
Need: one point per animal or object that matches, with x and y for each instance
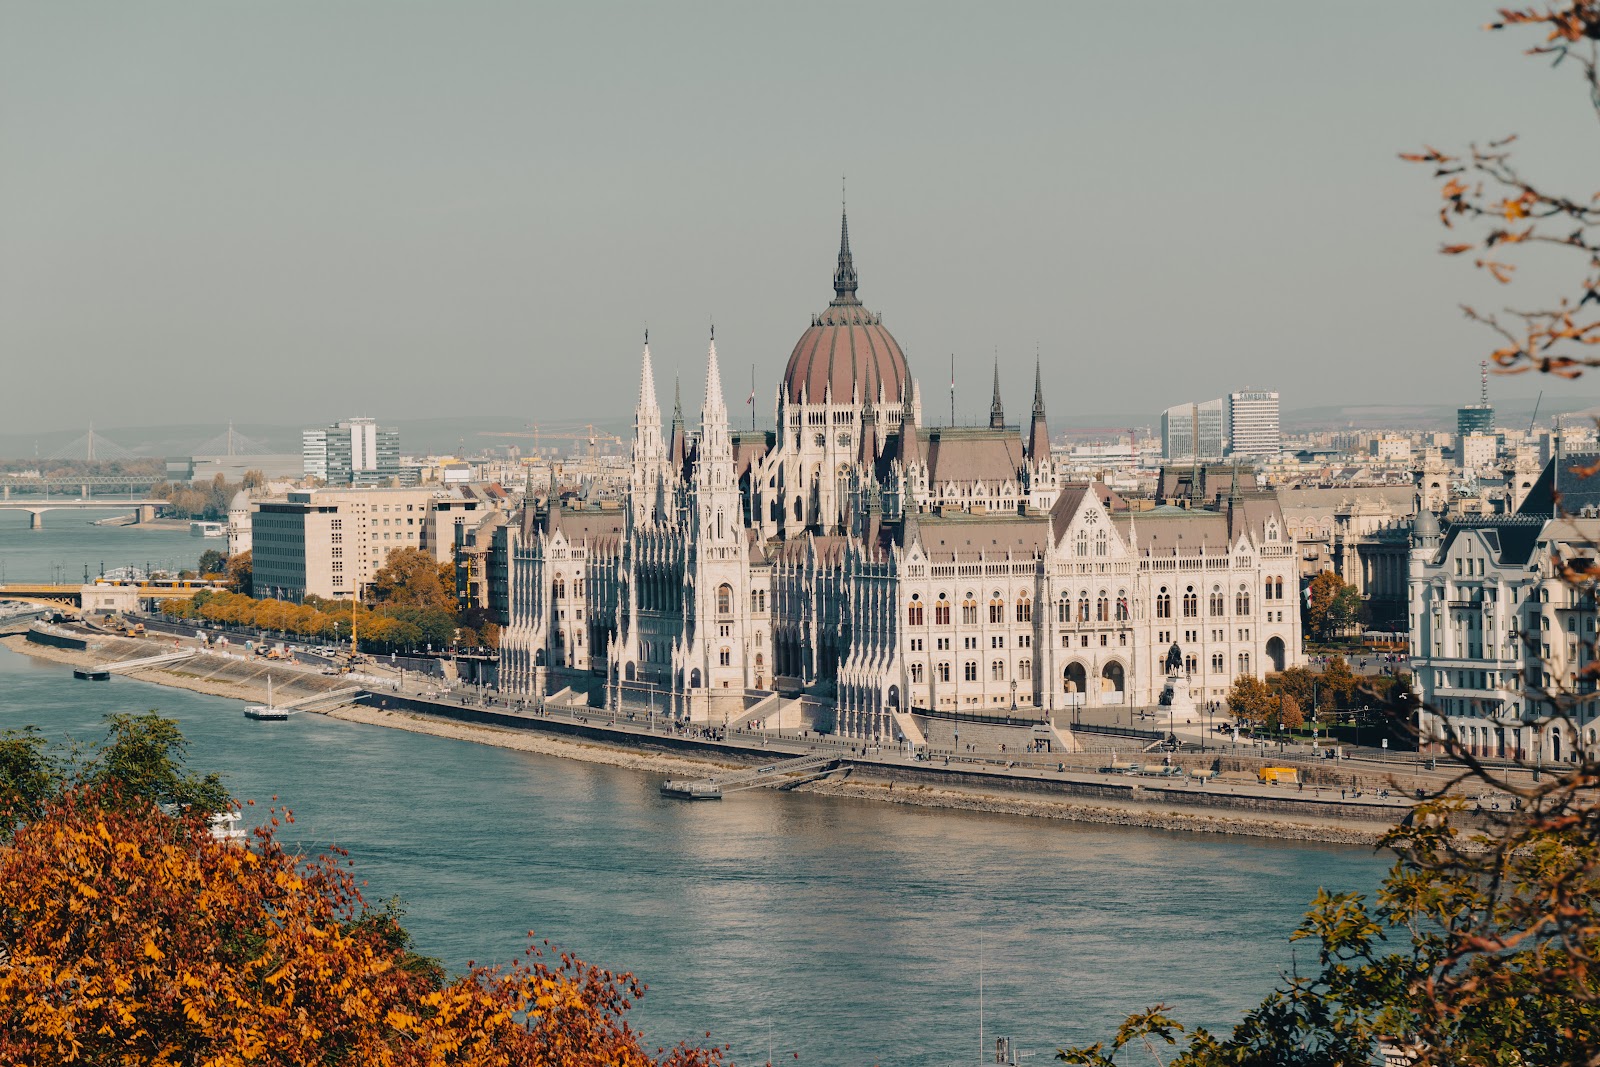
(314, 453)
(1194, 431)
(1253, 423)
(352, 452)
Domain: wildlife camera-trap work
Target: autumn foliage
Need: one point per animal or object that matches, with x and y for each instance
(129, 936)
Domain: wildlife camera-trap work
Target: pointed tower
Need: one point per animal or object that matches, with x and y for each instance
(552, 505)
(649, 450)
(844, 278)
(718, 572)
(997, 414)
(679, 457)
(1038, 432)
(867, 461)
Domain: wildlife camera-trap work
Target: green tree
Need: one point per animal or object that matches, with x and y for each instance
(143, 758)
(1344, 614)
(1331, 606)
(29, 776)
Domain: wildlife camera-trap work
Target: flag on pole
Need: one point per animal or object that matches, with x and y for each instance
(752, 398)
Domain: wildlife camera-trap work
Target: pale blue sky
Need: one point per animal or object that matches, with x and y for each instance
(296, 211)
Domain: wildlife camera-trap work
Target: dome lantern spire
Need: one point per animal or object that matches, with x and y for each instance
(844, 278)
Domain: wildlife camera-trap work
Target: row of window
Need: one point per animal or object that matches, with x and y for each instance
(1217, 603)
(969, 671)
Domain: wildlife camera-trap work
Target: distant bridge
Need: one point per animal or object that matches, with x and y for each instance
(146, 508)
(83, 485)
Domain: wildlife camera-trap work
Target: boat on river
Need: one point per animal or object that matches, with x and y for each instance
(267, 712)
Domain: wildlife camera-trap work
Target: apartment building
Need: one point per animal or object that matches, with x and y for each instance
(330, 542)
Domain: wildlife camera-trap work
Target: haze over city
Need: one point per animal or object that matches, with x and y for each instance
(477, 209)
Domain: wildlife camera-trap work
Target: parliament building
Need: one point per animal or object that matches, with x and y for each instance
(858, 564)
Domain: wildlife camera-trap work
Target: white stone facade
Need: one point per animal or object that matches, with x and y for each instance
(862, 563)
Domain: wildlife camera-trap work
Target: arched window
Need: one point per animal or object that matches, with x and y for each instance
(1241, 601)
(1063, 609)
(1244, 663)
(724, 599)
(914, 611)
(1100, 543)
(997, 609)
(944, 672)
(725, 657)
(1163, 604)
(1216, 663)
(1122, 605)
(1267, 595)
(1190, 665)
(1102, 607)
(1024, 608)
(1191, 603)
(969, 611)
(997, 670)
(1218, 602)
(916, 672)
(1083, 543)
(1278, 585)
(969, 670)
(559, 589)
(1083, 605)
(941, 612)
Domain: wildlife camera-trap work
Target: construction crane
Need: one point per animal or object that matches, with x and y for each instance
(589, 434)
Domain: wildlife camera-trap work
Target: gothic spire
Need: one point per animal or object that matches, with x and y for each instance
(997, 414)
(1039, 432)
(910, 444)
(844, 279)
(680, 442)
(552, 503)
(647, 379)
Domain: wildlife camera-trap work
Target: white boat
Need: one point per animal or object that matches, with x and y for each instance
(208, 529)
(267, 712)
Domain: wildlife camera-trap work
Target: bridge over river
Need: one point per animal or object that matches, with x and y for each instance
(145, 508)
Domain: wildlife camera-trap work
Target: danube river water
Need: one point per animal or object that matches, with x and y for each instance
(844, 931)
(70, 542)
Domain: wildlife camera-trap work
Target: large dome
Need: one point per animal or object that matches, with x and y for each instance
(846, 347)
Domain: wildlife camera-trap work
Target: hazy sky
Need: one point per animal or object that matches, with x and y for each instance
(289, 212)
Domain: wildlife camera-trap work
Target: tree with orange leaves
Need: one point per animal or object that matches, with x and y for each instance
(131, 934)
(135, 937)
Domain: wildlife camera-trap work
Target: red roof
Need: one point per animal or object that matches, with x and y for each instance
(846, 347)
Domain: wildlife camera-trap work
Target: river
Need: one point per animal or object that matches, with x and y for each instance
(844, 931)
(70, 543)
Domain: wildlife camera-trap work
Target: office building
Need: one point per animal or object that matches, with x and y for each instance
(330, 542)
(1253, 423)
(352, 452)
(1194, 431)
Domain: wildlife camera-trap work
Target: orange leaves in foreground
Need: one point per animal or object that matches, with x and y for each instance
(131, 937)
